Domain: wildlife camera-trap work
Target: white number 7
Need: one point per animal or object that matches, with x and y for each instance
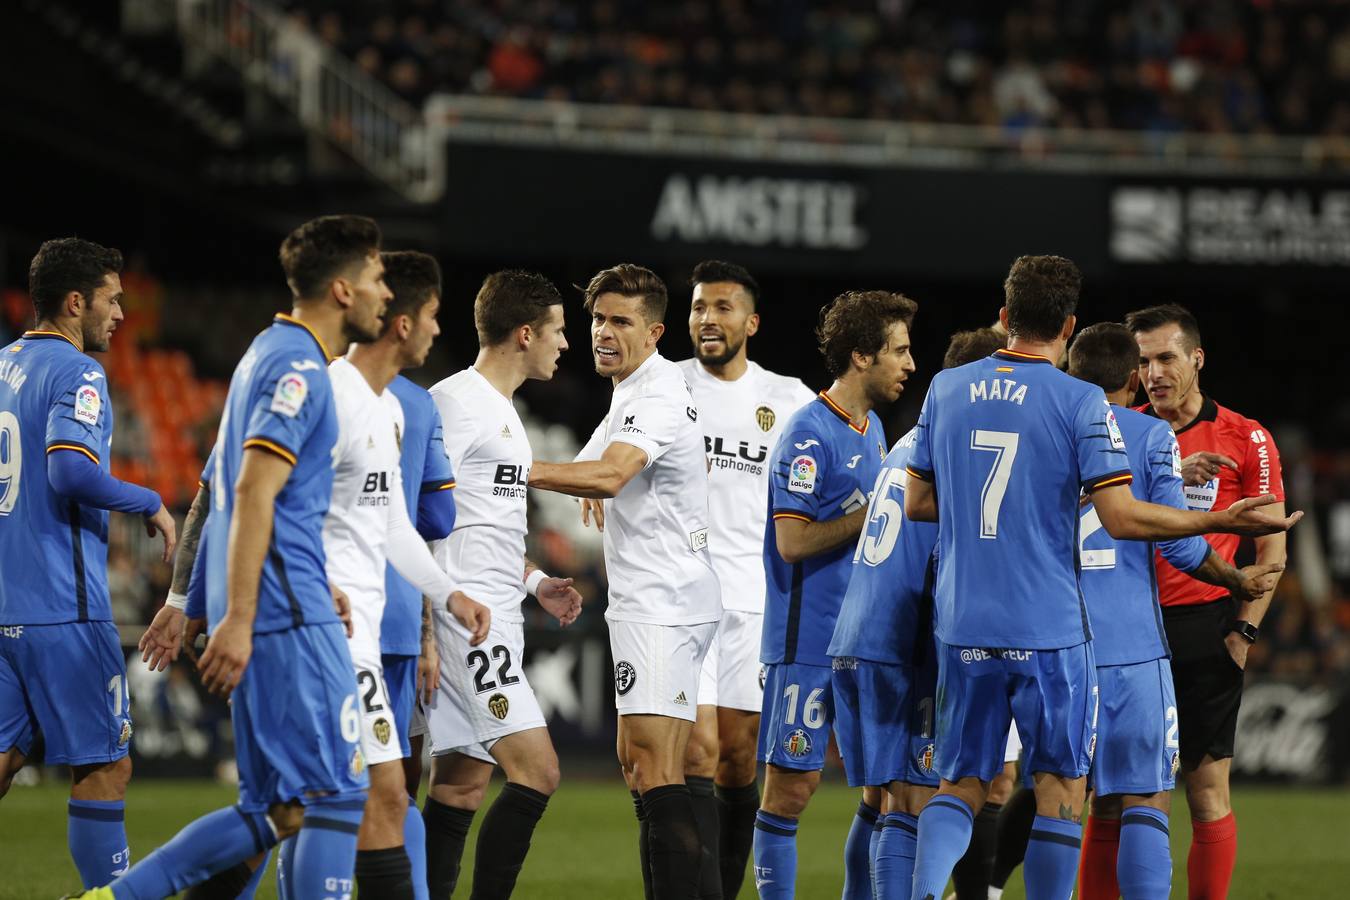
(1003, 444)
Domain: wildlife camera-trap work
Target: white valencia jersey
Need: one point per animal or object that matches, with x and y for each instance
(491, 456)
(656, 529)
(367, 522)
(741, 421)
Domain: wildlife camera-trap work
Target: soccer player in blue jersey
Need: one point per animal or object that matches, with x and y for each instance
(1137, 755)
(61, 667)
(1005, 448)
(271, 613)
(823, 467)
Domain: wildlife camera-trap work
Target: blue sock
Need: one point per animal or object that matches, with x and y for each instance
(873, 845)
(775, 856)
(285, 869)
(97, 833)
(325, 848)
(1144, 862)
(894, 870)
(251, 889)
(944, 833)
(415, 842)
(857, 856)
(1051, 865)
(214, 842)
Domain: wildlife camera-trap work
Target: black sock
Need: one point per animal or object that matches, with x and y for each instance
(384, 873)
(675, 850)
(705, 816)
(447, 829)
(504, 840)
(644, 845)
(1014, 830)
(736, 808)
(226, 884)
(971, 875)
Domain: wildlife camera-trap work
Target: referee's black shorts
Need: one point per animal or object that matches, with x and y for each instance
(1208, 682)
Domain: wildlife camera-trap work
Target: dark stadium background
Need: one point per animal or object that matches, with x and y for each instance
(116, 127)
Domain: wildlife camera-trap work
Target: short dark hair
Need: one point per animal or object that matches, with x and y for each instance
(714, 270)
(857, 321)
(509, 299)
(1040, 292)
(1165, 314)
(1104, 354)
(968, 346)
(414, 279)
(68, 264)
(629, 280)
(322, 249)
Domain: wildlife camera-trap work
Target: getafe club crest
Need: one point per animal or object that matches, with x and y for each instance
(125, 736)
(382, 730)
(764, 418)
(797, 744)
(925, 758)
(499, 706)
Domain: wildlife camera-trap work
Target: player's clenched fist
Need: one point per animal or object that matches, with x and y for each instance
(472, 615)
(227, 654)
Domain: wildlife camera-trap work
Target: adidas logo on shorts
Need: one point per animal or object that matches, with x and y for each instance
(680, 699)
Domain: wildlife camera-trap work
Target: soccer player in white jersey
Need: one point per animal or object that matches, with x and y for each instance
(742, 408)
(646, 463)
(485, 712)
(366, 526)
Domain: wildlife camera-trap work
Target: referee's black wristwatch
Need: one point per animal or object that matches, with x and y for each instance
(1248, 631)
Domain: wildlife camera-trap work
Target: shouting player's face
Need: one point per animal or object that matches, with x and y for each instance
(720, 320)
(548, 343)
(425, 330)
(369, 297)
(1168, 368)
(891, 366)
(102, 313)
(621, 336)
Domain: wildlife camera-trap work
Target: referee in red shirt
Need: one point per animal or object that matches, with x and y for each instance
(1225, 457)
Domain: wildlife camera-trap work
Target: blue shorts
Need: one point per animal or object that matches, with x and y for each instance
(68, 681)
(1137, 741)
(297, 722)
(884, 721)
(400, 681)
(1052, 694)
(798, 712)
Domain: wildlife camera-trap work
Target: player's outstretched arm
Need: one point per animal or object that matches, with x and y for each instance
(798, 539)
(1248, 583)
(1126, 518)
(162, 641)
(75, 474)
(556, 595)
(601, 478)
(262, 475)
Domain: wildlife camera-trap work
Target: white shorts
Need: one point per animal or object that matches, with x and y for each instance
(379, 735)
(731, 670)
(656, 667)
(1014, 748)
(483, 693)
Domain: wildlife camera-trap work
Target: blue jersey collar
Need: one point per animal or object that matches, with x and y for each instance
(47, 336)
(843, 413)
(284, 319)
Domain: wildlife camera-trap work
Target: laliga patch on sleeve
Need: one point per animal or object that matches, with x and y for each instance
(1113, 427)
(802, 475)
(88, 404)
(1176, 458)
(290, 394)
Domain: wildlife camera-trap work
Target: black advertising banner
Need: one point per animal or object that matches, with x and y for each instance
(1293, 731)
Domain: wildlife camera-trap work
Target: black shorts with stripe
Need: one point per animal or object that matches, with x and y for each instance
(1208, 682)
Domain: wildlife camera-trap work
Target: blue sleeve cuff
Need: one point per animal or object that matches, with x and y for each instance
(435, 514)
(74, 475)
(1185, 554)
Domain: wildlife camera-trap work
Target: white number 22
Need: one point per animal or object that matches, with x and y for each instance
(1003, 444)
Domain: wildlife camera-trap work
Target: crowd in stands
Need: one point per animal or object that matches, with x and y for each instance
(1160, 66)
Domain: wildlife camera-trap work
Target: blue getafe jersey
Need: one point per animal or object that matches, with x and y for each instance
(425, 468)
(280, 400)
(822, 469)
(887, 614)
(1011, 443)
(1119, 580)
(53, 551)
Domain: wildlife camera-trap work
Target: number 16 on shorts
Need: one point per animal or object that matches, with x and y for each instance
(798, 713)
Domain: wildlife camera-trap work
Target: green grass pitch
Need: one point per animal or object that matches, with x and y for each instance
(1292, 842)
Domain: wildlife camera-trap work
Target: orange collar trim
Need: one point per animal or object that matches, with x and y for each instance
(57, 334)
(292, 320)
(1026, 357)
(843, 413)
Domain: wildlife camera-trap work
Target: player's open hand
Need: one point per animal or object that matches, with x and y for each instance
(593, 509)
(1247, 518)
(1254, 582)
(227, 654)
(192, 629)
(559, 599)
(162, 523)
(428, 672)
(473, 615)
(342, 605)
(161, 642)
(1201, 467)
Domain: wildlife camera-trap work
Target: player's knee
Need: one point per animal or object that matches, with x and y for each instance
(102, 781)
(286, 819)
(736, 766)
(1001, 788)
(1208, 798)
(700, 756)
(387, 801)
(10, 763)
(543, 776)
(460, 796)
(788, 796)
